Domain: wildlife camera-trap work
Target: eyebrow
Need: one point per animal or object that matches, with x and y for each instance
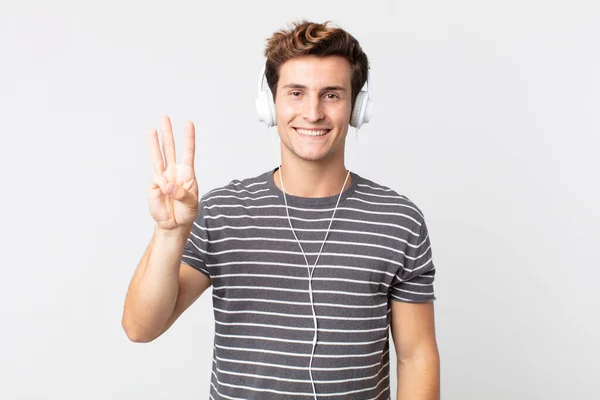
(299, 86)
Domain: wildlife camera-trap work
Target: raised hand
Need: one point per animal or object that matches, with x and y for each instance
(173, 195)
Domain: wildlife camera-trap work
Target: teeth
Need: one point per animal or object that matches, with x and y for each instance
(312, 133)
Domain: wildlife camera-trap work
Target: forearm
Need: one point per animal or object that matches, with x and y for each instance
(419, 377)
(153, 290)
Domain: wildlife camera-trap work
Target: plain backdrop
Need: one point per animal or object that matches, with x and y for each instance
(486, 116)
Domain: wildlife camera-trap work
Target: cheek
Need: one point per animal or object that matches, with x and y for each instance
(284, 111)
(342, 115)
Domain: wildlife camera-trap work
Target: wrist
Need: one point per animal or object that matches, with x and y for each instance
(181, 232)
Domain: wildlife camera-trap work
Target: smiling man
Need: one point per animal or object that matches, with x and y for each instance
(312, 265)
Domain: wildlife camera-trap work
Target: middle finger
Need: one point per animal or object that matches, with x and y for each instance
(168, 141)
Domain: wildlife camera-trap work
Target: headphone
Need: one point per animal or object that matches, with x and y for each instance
(265, 106)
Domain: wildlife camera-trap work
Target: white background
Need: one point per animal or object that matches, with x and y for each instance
(486, 115)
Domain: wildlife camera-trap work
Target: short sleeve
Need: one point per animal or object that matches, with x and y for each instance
(194, 252)
(414, 280)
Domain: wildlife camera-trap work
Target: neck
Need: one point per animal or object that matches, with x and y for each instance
(309, 179)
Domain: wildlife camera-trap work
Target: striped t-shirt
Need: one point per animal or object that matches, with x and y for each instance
(378, 250)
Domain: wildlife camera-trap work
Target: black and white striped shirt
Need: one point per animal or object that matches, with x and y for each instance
(378, 250)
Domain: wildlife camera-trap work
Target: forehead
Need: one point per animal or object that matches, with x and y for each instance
(316, 72)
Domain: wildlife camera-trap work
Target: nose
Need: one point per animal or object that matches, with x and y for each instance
(312, 110)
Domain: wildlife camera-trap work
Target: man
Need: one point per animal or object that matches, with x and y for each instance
(311, 264)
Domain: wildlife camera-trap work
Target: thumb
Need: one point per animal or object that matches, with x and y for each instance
(182, 195)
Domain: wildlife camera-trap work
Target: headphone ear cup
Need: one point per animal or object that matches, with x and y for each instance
(271, 104)
(265, 109)
(356, 119)
(368, 111)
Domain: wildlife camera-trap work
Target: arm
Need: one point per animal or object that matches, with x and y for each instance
(162, 287)
(413, 333)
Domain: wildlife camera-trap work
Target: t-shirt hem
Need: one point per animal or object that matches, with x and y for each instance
(205, 272)
(429, 300)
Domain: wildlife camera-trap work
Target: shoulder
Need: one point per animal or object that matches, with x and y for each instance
(237, 190)
(380, 197)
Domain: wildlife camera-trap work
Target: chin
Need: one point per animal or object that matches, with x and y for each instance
(314, 157)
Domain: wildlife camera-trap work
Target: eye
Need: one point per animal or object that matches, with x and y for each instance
(295, 93)
(332, 94)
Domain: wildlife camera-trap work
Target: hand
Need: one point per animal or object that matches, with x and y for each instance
(173, 193)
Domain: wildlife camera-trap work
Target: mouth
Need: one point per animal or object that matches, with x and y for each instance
(313, 133)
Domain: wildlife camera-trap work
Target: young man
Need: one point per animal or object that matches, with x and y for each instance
(311, 264)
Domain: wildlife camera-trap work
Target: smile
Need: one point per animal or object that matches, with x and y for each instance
(311, 132)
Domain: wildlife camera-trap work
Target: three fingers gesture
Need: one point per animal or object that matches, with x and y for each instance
(173, 195)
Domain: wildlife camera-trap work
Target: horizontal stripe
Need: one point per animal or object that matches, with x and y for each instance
(267, 239)
(300, 393)
(236, 191)
(274, 339)
(238, 198)
(374, 188)
(248, 185)
(420, 267)
(223, 395)
(300, 329)
(328, 210)
(405, 299)
(266, 288)
(286, 228)
(418, 293)
(283, 353)
(301, 380)
(274, 217)
(299, 315)
(336, 368)
(298, 253)
(300, 303)
(302, 278)
(303, 266)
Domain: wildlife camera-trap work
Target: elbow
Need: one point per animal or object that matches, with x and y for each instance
(135, 334)
(138, 338)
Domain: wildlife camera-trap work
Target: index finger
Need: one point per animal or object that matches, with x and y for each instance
(189, 144)
(158, 163)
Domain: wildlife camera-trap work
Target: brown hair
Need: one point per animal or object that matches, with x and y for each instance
(310, 38)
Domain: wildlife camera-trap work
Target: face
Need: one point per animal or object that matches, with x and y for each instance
(313, 107)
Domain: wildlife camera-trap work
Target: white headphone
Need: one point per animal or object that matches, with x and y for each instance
(265, 106)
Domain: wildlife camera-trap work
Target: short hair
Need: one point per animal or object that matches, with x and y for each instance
(310, 38)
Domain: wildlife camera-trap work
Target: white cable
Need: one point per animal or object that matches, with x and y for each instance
(310, 272)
